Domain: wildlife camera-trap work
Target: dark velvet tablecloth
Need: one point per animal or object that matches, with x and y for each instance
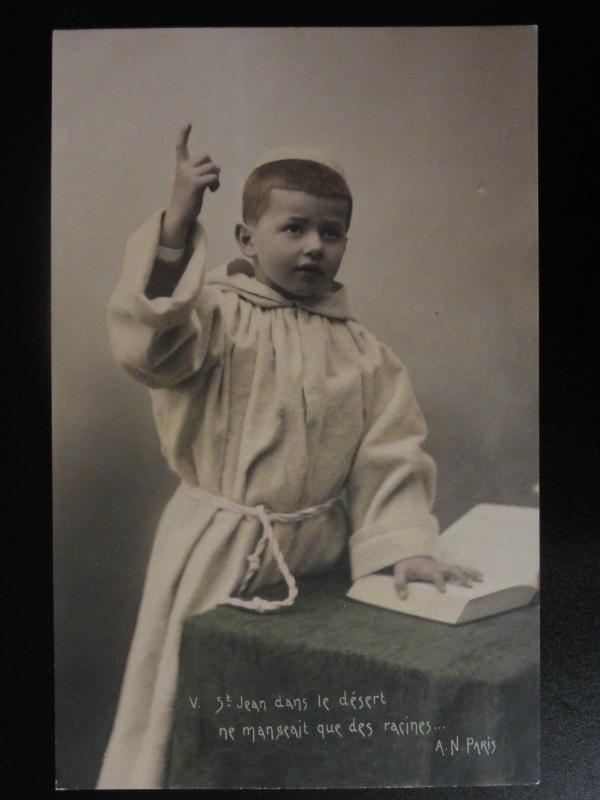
(449, 705)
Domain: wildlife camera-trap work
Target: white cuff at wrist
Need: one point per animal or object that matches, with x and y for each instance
(170, 254)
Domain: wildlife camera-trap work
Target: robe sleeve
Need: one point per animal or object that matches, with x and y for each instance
(164, 340)
(392, 484)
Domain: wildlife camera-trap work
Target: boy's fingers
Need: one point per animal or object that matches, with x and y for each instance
(182, 140)
(204, 160)
(461, 575)
(465, 575)
(206, 167)
(439, 580)
(400, 582)
(211, 179)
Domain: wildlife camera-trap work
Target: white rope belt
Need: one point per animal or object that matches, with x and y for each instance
(266, 517)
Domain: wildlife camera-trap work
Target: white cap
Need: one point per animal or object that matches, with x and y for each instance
(303, 153)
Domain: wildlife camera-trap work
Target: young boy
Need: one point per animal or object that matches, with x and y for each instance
(270, 399)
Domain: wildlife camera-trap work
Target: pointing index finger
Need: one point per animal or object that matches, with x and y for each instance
(182, 141)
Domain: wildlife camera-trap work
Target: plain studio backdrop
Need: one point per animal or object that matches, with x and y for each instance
(437, 131)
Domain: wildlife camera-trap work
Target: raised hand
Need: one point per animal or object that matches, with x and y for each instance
(192, 177)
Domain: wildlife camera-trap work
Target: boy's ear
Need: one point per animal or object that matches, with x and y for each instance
(243, 235)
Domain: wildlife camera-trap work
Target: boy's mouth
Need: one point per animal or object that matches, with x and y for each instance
(311, 269)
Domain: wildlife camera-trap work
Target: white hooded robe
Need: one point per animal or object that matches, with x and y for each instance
(259, 399)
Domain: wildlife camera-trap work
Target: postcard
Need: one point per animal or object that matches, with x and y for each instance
(295, 342)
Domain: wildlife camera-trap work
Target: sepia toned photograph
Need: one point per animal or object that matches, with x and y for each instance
(295, 407)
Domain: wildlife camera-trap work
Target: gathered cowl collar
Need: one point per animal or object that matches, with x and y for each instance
(238, 276)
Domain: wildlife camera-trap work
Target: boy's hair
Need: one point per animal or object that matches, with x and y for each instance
(296, 175)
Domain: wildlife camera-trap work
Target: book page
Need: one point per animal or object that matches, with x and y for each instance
(423, 600)
(502, 542)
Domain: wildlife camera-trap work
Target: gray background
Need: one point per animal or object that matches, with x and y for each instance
(436, 128)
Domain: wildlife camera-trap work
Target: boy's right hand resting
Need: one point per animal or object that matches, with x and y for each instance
(430, 570)
(192, 177)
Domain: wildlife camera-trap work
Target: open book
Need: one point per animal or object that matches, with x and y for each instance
(502, 542)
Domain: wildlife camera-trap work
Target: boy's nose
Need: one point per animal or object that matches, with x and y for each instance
(313, 243)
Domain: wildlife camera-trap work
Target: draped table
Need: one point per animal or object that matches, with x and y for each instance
(333, 693)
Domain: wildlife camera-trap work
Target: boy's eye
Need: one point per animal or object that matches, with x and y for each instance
(293, 228)
(332, 233)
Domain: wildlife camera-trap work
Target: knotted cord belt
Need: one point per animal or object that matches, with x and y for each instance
(266, 517)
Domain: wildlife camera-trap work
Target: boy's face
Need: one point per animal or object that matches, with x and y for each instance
(298, 242)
